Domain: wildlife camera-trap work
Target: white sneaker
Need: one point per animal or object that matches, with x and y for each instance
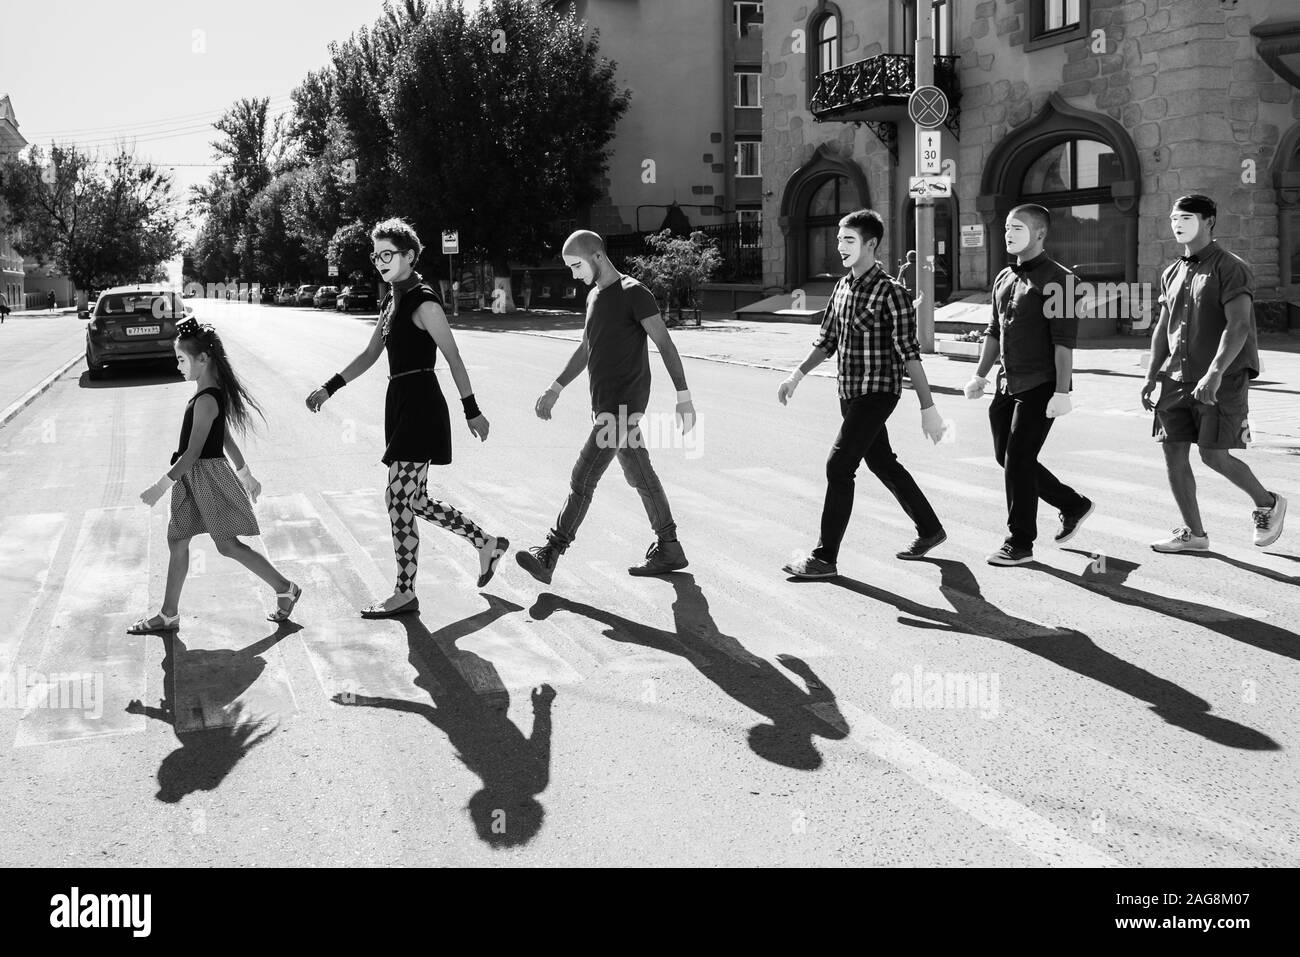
(1268, 522)
(1183, 541)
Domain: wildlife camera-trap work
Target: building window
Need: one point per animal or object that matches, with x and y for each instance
(1073, 179)
(749, 19)
(747, 90)
(751, 227)
(942, 28)
(826, 207)
(747, 158)
(1056, 21)
(828, 43)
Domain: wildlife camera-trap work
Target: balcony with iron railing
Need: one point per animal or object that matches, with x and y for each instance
(875, 89)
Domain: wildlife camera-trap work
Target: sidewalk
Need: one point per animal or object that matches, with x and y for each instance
(1108, 371)
(34, 346)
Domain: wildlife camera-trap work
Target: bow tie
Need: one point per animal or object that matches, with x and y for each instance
(1193, 260)
(1019, 270)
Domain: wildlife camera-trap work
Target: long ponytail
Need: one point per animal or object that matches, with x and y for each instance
(239, 403)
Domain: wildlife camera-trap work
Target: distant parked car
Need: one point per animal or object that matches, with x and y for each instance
(286, 296)
(133, 324)
(326, 297)
(356, 297)
(306, 294)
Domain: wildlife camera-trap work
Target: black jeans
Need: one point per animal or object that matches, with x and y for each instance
(1020, 426)
(863, 436)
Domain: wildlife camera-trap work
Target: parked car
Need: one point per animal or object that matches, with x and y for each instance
(133, 324)
(286, 296)
(326, 297)
(356, 297)
(306, 294)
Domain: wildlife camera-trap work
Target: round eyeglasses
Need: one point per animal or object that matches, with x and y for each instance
(386, 256)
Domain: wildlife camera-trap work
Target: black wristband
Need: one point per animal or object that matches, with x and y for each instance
(471, 407)
(335, 383)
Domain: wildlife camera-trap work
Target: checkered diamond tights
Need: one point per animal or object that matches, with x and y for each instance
(407, 497)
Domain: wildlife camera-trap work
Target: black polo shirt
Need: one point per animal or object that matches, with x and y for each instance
(1195, 289)
(1027, 339)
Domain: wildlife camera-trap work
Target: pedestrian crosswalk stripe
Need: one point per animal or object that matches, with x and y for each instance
(1029, 831)
(28, 544)
(87, 652)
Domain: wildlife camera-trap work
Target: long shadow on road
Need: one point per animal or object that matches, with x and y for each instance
(208, 754)
(797, 716)
(514, 769)
(972, 614)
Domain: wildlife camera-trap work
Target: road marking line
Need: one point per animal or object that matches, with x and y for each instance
(109, 570)
(1011, 820)
(28, 544)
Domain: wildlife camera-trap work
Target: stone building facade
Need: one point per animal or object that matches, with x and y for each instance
(1103, 110)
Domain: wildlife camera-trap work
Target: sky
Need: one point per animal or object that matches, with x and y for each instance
(159, 73)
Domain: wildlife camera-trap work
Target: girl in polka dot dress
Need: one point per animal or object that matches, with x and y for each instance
(208, 496)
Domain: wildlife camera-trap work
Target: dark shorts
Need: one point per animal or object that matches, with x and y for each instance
(1223, 425)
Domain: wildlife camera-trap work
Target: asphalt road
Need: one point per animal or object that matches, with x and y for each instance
(1105, 706)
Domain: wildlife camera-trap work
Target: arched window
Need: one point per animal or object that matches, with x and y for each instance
(1073, 179)
(826, 207)
(828, 43)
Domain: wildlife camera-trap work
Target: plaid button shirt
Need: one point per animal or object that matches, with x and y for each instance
(871, 323)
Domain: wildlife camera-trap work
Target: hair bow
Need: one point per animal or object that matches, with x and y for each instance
(191, 328)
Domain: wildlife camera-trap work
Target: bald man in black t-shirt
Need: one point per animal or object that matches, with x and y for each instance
(622, 316)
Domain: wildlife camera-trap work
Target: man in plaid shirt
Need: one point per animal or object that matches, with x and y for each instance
(871, 323)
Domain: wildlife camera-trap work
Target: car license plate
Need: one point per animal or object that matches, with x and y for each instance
(143, 330)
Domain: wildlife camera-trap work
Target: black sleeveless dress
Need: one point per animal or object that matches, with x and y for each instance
(417, 427)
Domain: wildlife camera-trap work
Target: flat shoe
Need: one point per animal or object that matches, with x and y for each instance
(141, 626)
(282, 614)
(498, 550)
(377, 610)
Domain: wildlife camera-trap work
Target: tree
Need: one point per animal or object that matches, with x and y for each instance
(101, 223)
(677, 268)
(500, 126)
(350, 250)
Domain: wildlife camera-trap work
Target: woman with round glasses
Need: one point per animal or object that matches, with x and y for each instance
(417, 430)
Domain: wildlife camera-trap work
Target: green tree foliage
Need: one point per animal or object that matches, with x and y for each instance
(101, 223)
(677, 268)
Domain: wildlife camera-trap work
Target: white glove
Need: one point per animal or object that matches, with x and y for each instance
(932, 424)
(156, 491)
(251, 485)
(975, 387)
(786, 389)
(1058, 405)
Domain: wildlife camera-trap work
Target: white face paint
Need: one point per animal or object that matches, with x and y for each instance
(1018, 235)
(850, 246)
(183, 363)
(397, 268)
(581, 269)
(1186, 226)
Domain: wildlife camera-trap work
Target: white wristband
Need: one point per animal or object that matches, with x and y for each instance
(683, 395)
(796, 375)
(556, 387)
(244, 473)
(165, 482)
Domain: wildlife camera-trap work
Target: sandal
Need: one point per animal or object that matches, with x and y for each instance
(499, 549)
(146, 626)
(377, 610)
(282, 614)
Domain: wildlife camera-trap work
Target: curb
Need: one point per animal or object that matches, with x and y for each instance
(30, 397)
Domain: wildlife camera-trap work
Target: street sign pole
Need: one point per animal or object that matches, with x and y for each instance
(924, 205)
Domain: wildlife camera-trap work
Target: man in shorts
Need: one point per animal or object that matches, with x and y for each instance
(1204, 352)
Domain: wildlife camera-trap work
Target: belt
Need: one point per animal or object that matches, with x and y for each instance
(409, 372)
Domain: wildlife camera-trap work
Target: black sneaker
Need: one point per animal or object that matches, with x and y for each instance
(1009, 554)
(923, 544)
(661, 557)
(539, 562)
(1070, 523)
(809, 567)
